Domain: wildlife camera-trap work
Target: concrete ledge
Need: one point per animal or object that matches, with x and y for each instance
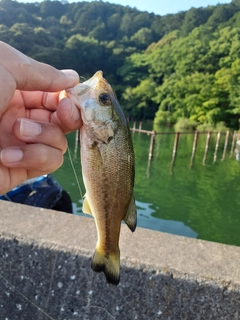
(46, 274)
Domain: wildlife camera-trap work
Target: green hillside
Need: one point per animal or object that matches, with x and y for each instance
(184, 65)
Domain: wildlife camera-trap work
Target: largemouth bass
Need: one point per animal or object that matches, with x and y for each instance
(107, 160)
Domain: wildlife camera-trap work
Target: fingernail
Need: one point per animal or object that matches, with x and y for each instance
(75, 112)
(11, 155)
(29, 128)
(71, 73)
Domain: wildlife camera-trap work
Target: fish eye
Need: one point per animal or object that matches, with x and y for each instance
(104, 99)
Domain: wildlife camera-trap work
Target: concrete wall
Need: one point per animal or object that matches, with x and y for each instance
(46, 274)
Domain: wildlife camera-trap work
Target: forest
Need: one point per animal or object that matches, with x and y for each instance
(178, 68)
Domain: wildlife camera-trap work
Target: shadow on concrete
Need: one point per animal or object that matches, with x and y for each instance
(43, 283)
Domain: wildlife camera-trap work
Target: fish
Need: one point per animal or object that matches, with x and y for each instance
(107, 159)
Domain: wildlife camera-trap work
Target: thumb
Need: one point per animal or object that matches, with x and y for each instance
(30, 74)
(21, 72)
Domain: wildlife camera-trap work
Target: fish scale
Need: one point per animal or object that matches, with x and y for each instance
(107, 160)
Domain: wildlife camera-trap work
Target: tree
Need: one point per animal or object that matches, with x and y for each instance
(142, 38)
(220, 15)
(52, 8)
(194, 18)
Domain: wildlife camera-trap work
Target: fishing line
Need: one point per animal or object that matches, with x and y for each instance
(51, 281)
(26, 298)
(99, 307)
(82, 78)
(75, 173)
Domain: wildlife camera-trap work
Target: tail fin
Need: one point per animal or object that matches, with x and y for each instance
(109, 264)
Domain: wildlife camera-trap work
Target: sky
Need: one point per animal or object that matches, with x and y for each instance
(161, 7)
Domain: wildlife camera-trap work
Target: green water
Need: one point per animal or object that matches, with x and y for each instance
(199, 201)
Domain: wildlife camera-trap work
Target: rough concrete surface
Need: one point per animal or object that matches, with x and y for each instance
(45, 272)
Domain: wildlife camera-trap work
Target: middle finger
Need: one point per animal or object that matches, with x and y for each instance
(40, 132)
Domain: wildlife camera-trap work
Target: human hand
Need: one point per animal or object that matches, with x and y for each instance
(35, 115)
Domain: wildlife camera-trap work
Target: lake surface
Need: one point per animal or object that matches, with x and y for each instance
(185, 197)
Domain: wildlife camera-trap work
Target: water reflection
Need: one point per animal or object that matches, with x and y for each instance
(216, 136)
(77, 208)
(147, 220)
(203, 195)
(194, 148)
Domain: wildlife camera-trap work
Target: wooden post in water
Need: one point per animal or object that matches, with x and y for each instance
(140, 125)
(77, 142)
(206, 147)
(194, 148)
(233, 143)
(225, 145)
(216, 147)
(175, 146)
(134, 126)
(152, 142)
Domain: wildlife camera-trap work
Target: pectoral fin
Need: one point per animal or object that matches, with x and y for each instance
(86, 208)
(131, 215)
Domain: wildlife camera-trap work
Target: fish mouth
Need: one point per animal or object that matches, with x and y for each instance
(83, 87)
(79, 90)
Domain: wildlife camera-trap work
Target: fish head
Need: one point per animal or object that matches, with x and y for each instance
(100, 109)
